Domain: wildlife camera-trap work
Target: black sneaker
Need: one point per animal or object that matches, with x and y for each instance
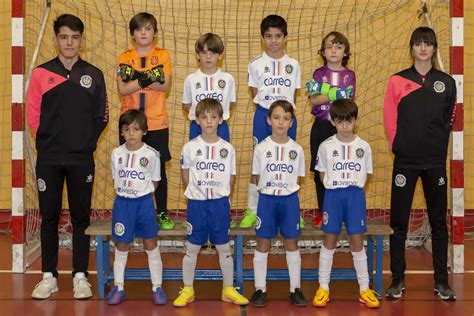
(395, 290)
(445, 292)
(259, 299)
(297, 298)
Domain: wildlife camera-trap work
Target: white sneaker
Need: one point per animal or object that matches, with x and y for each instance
(82, 288)
(45, 287)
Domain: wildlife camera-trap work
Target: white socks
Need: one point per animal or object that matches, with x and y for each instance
(227, 264)
(253, 197)
(360, 265)
(293, 260)
(119, 268)
(260, 270)
(325, 266)
(156, 267)
(189, 263)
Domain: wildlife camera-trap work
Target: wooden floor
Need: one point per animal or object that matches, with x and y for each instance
(15, 290)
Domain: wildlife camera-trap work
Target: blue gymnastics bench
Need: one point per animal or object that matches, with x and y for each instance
(102, 231)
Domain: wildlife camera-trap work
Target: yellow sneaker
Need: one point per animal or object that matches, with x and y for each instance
(230, 294)
(186, 295)
(321, 298)
(368, 298)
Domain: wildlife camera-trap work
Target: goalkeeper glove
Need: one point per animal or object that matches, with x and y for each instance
(127, 73)
(153, 75)
(315, 88)
(340, 93)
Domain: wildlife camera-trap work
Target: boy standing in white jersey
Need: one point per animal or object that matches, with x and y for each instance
(208, 169)
(343, 162)
(272, 76)
(278, 165)
(209, 81)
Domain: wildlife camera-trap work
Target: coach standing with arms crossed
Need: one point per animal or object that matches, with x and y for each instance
(67, 110)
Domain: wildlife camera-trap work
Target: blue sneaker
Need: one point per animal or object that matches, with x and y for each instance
(159, 296)
(115, 296)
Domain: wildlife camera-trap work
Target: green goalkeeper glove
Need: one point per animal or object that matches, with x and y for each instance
(127, 73)
(153, 75)
(315, 88)
(340, 93)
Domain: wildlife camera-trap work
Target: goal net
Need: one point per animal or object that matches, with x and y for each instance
(378, 32)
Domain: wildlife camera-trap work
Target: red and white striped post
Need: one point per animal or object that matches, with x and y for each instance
(457, 152)
(18, 133)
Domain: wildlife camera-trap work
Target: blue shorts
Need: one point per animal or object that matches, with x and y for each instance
(345, 205)
(222, 130)
(134, 217)
(262, 130)
(276, 212)
(208, 220)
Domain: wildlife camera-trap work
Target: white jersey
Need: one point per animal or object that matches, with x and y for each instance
(275, 79)
(134, 171)
(211, 166)
(219, 86)
(279, 166)
(344, 164)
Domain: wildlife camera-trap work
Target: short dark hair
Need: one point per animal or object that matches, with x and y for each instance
(133, 115)
(275, 21)
(285, 105)
(339, 38)
(213, 41)
(69, 20)
(427, 35)
(343, 110)
(141, 19)
(209, 105)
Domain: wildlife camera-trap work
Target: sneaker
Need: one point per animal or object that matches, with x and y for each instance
(186, 295)
(164, 220)
(259, 299)
(318, 220)
(82, 288)
(368, 298)
(297, 298)
(47, 286)
(395, 290)
(230, 294)
(159, 296)
(445, 292)
(115, 296)
(302, 223)
(321, 298)
(249, 219)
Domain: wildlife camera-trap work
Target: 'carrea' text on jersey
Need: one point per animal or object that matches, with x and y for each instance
(277, 82)
(279, 167)
(131, 174)
(210, 166)
(212, 95)
(343, 166)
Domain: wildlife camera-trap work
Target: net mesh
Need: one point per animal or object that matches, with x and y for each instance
(379, 34)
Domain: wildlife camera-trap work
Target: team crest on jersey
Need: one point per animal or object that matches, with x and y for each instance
(345, 80)
(439, 86)
(267, 69)
(335, 153)
(258, 223)
(400, 180)
(41, 185)
(289, 69)
(293, 154)
(189, 228)
(325, 79)
(359, 152)
(198, 85)
(325, 218)
(441, 181)
(86, 81)
(221, 83)
(269, 154)
(143, 162)
(51, 80)
(89, 178)
(199, 152)
(119, 229)
(223, 152)
(154, 60)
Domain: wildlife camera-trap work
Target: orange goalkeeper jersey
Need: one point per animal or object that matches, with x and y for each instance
(152, 102)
